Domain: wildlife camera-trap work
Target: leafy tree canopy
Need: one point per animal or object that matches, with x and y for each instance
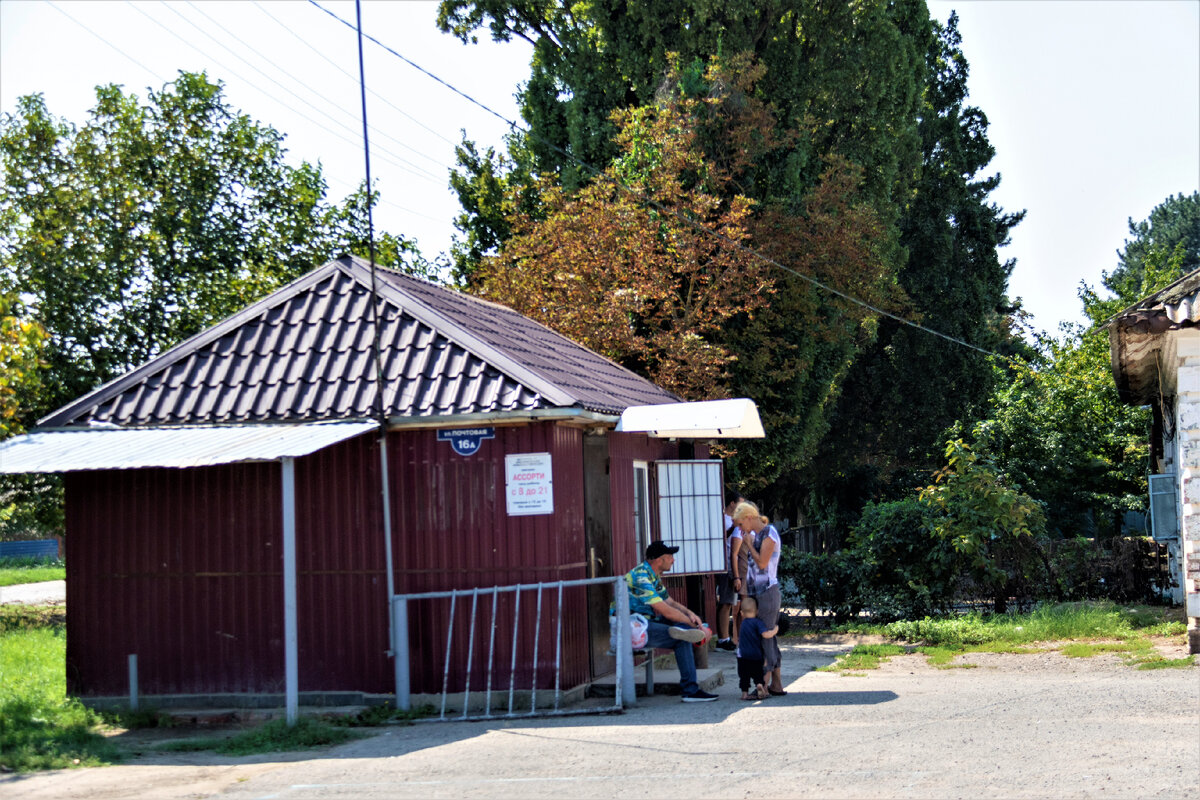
(908, 387)
(1174, 222)
(150, 222)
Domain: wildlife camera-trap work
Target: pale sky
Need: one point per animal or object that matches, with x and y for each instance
(1094, 105)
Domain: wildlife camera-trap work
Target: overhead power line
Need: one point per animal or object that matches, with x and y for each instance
(513, 125)
(397, 161)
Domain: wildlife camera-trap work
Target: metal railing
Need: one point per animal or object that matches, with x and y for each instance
(624, 695)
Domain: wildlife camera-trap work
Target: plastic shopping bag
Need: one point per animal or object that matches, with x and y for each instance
(639, 631)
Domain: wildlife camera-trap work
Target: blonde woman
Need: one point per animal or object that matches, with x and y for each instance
(761, 542)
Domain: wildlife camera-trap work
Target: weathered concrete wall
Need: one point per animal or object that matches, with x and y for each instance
(1187, 460)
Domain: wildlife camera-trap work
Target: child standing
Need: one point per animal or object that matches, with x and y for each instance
(750, 656)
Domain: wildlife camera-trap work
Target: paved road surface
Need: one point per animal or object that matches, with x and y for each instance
(34, 593)
(1025, 726)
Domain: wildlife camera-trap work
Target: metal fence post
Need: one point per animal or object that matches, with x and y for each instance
(400, 651)
(628, 687)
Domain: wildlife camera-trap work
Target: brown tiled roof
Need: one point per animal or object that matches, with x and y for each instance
(1134, 337)
(305, 353)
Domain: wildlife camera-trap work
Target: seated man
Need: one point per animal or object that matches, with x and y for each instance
(672, 625)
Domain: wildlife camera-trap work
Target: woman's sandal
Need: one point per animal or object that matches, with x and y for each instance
(774, 693)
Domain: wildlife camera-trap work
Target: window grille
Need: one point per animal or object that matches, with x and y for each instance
(691, 513)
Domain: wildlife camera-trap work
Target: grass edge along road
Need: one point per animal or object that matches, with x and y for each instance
(15, 571)
(1079, 630)
(42, 728)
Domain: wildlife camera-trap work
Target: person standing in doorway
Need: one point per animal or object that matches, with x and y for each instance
(730, 586)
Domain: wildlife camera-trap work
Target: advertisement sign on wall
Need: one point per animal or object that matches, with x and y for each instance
(528, 484)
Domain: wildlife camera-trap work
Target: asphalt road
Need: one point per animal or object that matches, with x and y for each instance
(1026, 726)
(34, 593)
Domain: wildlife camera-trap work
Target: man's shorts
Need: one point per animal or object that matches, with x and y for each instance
(726, 596)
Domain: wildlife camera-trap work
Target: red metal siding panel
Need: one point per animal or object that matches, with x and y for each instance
(342, 578)
(182, 568)
(452, 531)
(624, 449)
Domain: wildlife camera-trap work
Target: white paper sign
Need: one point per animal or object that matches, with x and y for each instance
(528, 484)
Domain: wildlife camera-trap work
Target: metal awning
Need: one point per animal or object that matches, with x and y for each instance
(709, 419)
(135, 448)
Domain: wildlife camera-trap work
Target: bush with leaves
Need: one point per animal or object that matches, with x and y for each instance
(909, 571)
(994, 527)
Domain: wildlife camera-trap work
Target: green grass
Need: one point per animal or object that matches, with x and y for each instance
(864, 656)
(1081, 624)
(270, 737)
(30, 570)
(40, 727)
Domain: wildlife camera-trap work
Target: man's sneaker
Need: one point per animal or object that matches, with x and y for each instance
(726, 644)
(692, 635)
(699, 696)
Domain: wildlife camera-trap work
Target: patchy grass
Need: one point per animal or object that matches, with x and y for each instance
(864, 656)
(270, 737)
(940, 640)
(15, 571)
(40, 727)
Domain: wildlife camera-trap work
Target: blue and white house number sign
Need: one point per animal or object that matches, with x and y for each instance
(465, 441)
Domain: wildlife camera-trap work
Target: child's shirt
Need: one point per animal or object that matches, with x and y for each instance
(750, 638)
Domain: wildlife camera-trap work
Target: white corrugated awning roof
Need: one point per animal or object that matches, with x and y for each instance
(709, 419)
(134, 448)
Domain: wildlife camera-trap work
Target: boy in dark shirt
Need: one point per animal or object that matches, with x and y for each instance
(750, 659)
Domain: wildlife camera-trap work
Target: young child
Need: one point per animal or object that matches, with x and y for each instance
(750, 659)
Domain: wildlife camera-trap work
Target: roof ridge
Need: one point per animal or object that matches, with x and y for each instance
(469, 341)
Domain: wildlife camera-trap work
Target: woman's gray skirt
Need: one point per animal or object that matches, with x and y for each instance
(768, 611)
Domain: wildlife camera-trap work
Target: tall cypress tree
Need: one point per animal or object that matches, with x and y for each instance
(909, 386)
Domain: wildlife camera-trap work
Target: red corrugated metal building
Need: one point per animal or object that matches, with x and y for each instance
(182, 566)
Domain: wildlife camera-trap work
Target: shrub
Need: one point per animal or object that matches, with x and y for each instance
(908, 572)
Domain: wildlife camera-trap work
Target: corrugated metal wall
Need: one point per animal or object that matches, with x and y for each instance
(183, 567)
(624, 449)
(453, 532)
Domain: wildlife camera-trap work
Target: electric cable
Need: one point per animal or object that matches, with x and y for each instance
(374, 93)
(594, 172)
(397, 161)
(331, 102)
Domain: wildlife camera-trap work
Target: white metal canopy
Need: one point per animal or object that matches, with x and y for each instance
(709, 419)
(135, 448)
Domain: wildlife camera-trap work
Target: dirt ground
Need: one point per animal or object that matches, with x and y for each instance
(1013, 725)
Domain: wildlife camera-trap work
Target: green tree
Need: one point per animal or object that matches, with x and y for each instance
(1057, 427)
(845, 80)
(909, 387)
(21, 342)
(992, 525)
(841, 86)
(624, 266)
(152, 221)
(1174, 222)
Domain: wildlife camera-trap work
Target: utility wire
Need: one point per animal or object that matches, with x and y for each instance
(692, 223)
(106, 41)
(374, 93)
(396, 161)
(331, 102)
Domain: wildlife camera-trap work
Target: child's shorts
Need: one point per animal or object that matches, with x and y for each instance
(750, 672)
